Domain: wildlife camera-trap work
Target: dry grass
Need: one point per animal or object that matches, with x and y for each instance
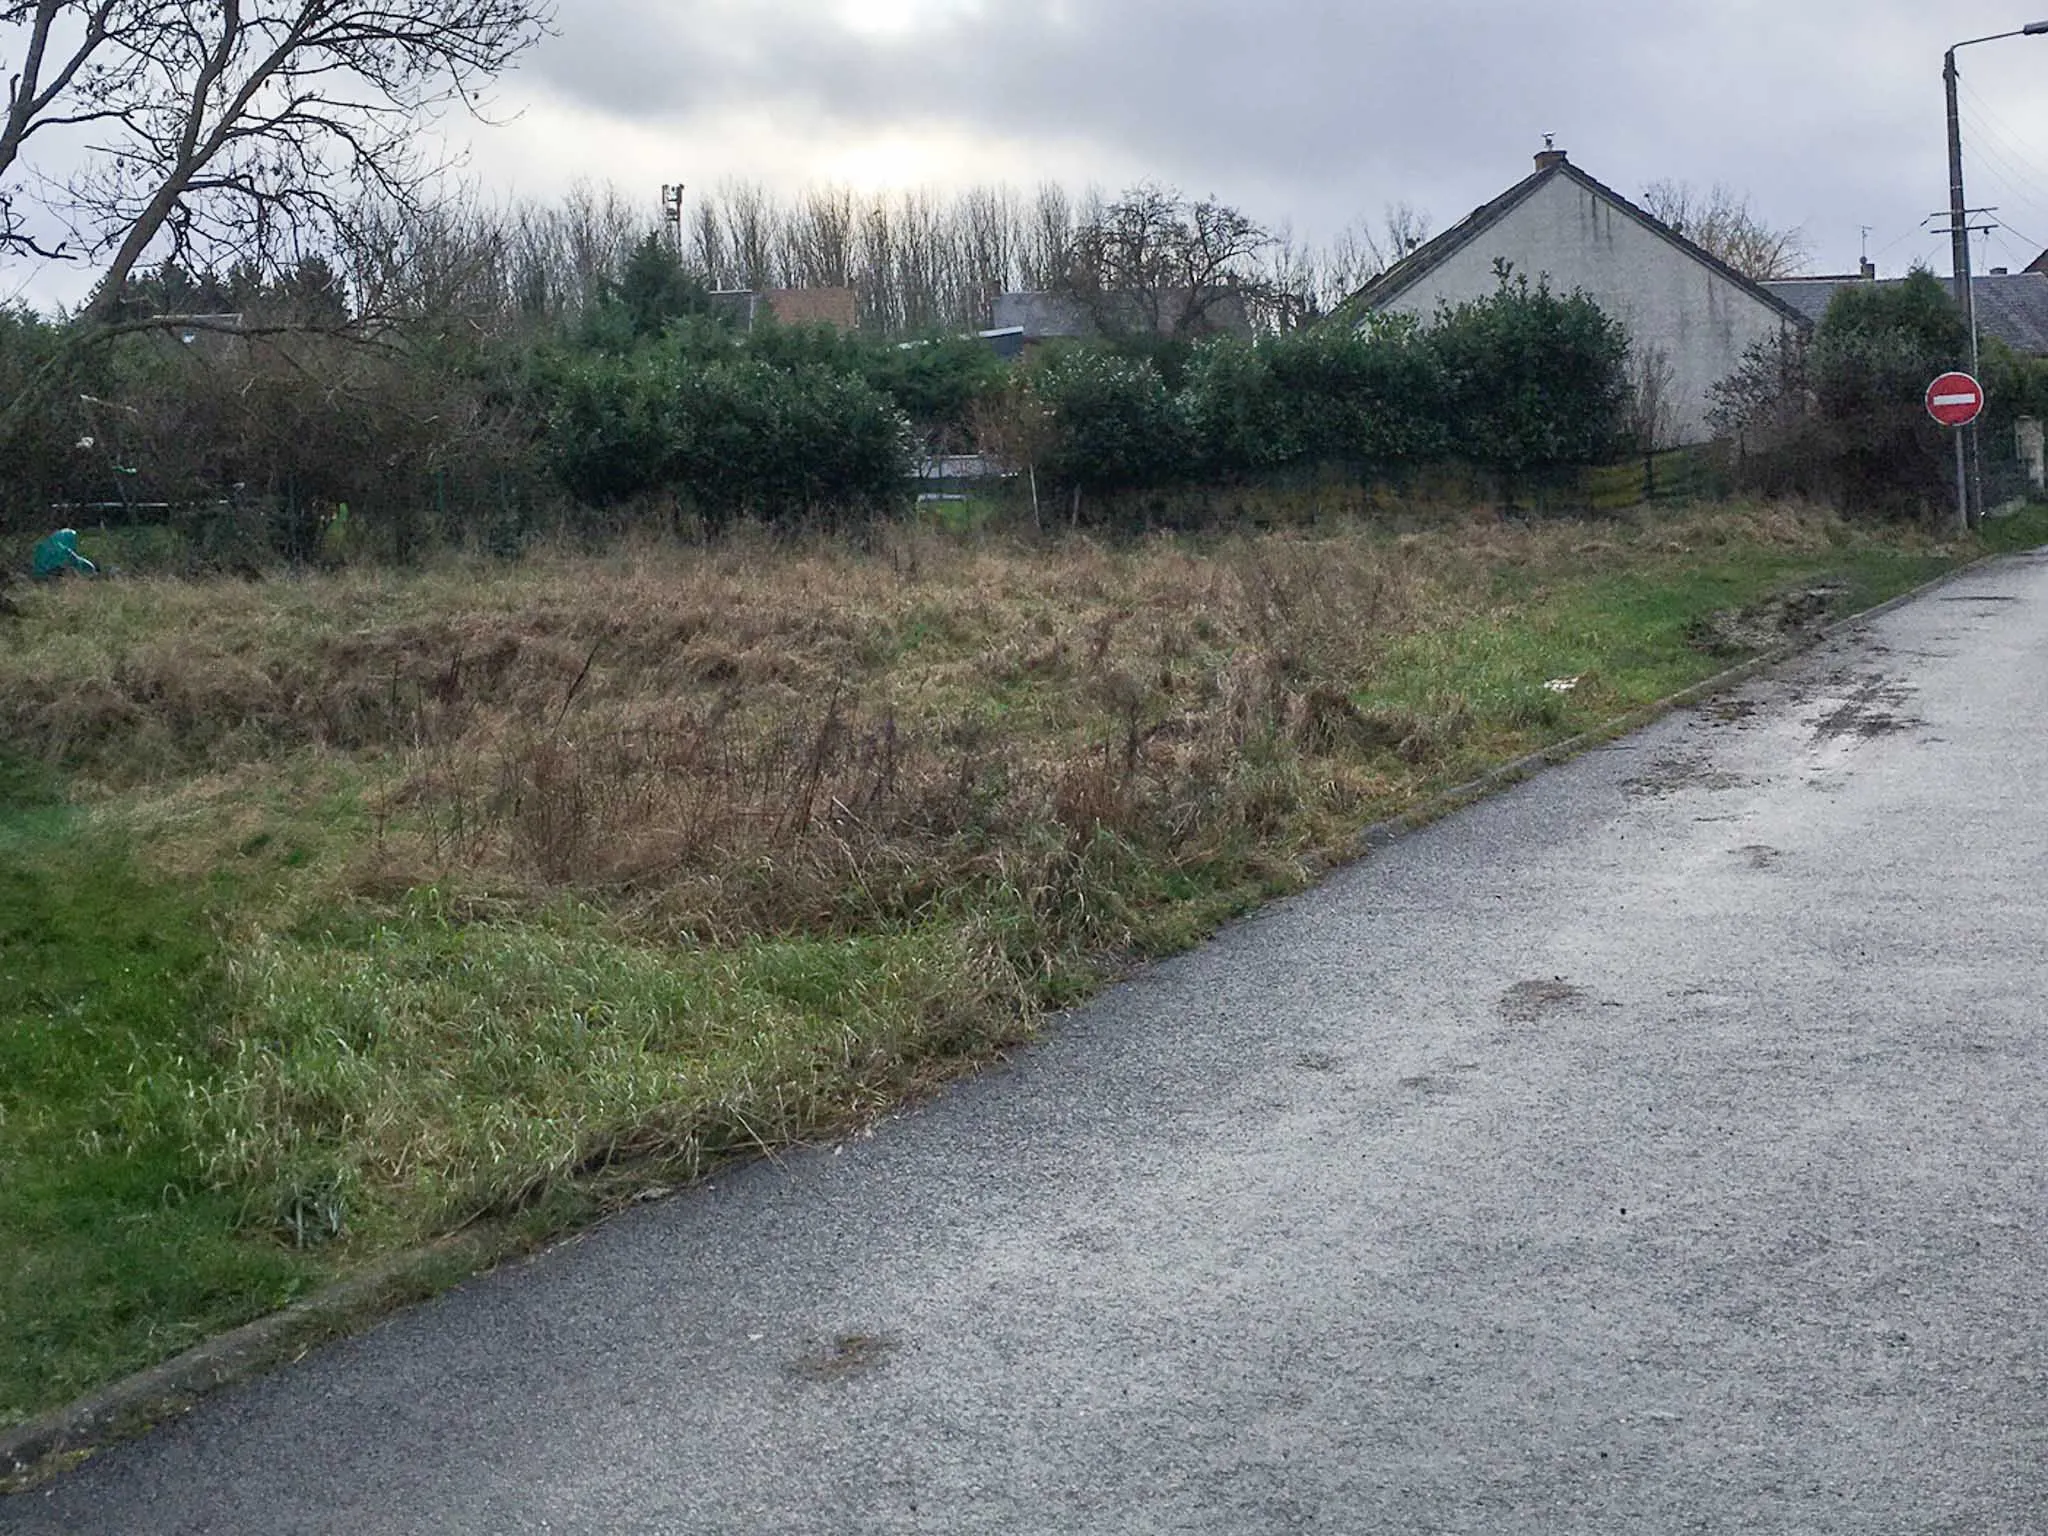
(752, 740)
(1009, 767)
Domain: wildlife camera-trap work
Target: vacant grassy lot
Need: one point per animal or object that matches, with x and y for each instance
(342, 912)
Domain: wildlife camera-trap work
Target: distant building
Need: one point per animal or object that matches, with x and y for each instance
(1006, 341)
(2039, 263)
(836, 307)
(1047, 316)
(2012, 306)
(1679, 303)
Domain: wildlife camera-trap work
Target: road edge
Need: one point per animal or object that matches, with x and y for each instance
(33, 1453)
(1444, 802)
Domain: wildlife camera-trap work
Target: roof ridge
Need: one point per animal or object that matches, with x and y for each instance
(1404, 274)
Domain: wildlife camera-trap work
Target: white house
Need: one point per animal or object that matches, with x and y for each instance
(1690, 316)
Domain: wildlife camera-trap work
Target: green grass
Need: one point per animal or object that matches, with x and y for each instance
(226, 1076)
(1628, 639)
(118, 1252)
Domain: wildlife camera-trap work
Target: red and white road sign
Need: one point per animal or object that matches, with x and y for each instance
(1955, 399)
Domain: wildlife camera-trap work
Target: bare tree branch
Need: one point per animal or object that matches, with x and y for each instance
(241, 127)
(1720, 222)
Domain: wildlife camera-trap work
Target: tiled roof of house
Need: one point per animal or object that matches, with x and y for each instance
(2012, 306)
(1411, 269)
(815, 306)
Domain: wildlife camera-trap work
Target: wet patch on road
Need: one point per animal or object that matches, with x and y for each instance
(847, 1355)
(1671, 775)
(1872, 708)
(1526, 1002)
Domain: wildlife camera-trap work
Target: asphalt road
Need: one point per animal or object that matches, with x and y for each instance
(1659, 1147)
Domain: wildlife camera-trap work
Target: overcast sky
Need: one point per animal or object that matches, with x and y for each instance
(1307, 113)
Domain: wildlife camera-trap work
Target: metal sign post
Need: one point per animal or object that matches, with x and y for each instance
(1956, 400)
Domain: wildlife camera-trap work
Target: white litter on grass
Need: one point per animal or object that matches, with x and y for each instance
(1563, 684)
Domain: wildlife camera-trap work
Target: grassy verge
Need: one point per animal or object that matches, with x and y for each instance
(376, 906)
(120, 1250)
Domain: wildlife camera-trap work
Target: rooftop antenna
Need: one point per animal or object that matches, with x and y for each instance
(1550, 141)
(1866, 228)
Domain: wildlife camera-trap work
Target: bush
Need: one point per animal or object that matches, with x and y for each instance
(1114, 427)
(1532, 382)
(727, 437)
(1844, 416)
(1237, 420)
(1372, 398)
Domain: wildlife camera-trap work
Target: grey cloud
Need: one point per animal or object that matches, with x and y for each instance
(1826, 111)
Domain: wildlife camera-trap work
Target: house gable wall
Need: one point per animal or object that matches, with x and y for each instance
(1697, 318)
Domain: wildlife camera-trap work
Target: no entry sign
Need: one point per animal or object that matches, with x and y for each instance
(1955, 399)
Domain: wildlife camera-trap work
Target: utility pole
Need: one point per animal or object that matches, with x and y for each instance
(1969, 487)
(1969, 509)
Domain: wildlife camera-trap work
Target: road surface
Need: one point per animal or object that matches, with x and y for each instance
(1661, 1146)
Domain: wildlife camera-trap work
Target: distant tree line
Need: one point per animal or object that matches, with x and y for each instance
(459, 369)
(916, 261)
(650, 400)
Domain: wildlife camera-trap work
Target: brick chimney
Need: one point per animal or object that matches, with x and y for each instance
(1549, 157)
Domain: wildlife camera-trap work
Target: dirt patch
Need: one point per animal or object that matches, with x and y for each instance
(1760, 855)
(1872, 709)
(1528, 1001)
(1670, 775)
(1431, 1087)
(849, 1354)
(1731, 711)
(1761, 626)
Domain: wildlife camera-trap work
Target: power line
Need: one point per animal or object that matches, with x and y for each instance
(1993, 144)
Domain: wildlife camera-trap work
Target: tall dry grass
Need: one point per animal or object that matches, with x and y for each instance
(528, 870)
(754, 740)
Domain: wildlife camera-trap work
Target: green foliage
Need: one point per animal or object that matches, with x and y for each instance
(1114, 424)
(1523, 382)
(1370, 397)
(1873, 355)
(731, 436)
(938, 382)
(2014, 386)
(654, 287)
(1532, 381)
(1237, 417)
(1844, 415)
(42, 461)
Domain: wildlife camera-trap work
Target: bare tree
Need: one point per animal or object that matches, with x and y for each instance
(1721, 223)
(1652, 410)
(1153, 260)
(1048, 238)
(819, 239)
(751, 221)
(245, 128)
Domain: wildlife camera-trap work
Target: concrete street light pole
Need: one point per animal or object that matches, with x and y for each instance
(1969, 488)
